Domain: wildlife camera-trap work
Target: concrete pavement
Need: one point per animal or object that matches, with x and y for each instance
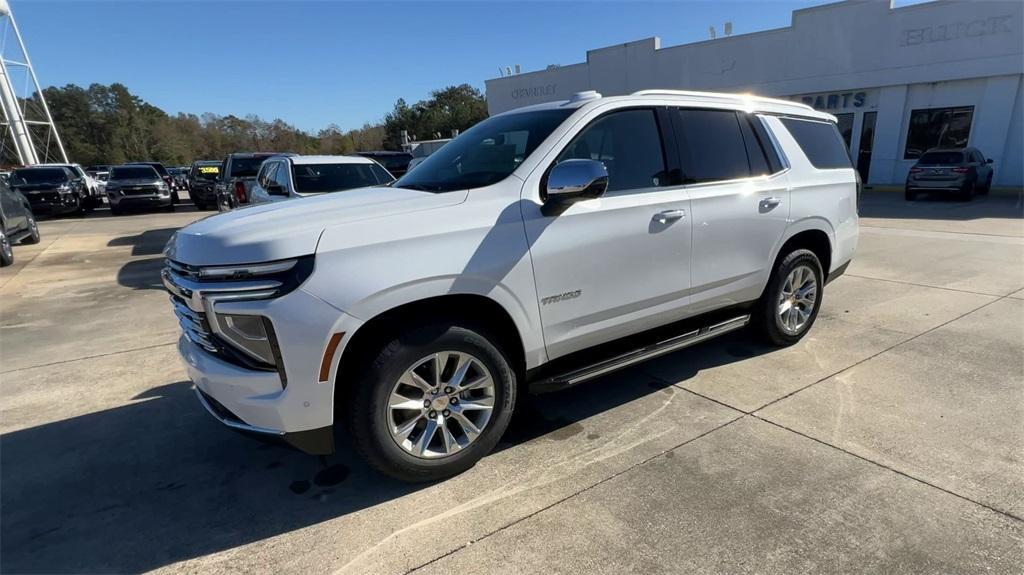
(891, 439)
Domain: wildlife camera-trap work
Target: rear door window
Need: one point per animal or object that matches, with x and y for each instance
(712, 146)
(820, 142)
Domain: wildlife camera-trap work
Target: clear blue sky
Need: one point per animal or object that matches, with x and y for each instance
(316, 63)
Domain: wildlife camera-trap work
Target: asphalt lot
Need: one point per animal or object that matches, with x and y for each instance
(891, 439)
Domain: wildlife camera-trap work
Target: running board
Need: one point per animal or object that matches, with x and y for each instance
(635, 356)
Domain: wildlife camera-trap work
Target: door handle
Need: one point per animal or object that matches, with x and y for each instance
(669, 216)
(768, 204)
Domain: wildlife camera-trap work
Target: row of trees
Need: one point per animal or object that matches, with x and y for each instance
(109, 125)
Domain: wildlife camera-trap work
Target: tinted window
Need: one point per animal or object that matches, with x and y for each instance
(628, 143)
(246, 167)
(820, 142)
(756, 156)
(383, 176)
(712, 146)
(485, 154)
(160, 169)
(319, 178)
(133, 173)
(941, 158)
(845, 124)
(937, 128)
(38, 176)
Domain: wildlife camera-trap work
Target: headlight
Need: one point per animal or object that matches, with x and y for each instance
(245, 271)
(252, 334)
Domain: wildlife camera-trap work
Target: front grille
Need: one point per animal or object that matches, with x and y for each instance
(194, 325)
(43, 197)
(140, 191)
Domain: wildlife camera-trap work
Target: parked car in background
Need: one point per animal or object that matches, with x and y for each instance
(287, 177)
(397, 163)
(179, 178)
(237, 176)
(53, 189)
(137, 186)
(542, 248)
(164, 175)
(92, 184)
(961, 172)
(17, 222)
(202, 180)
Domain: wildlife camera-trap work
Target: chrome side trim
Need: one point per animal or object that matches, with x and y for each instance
(234, 424)
(643, 354)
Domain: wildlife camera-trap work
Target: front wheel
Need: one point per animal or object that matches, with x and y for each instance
(33, 230)
(6, 251)
(790, 303)
(433, 402)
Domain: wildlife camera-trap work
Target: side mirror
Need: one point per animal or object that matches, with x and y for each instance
(573, 180)
(276, 190)
(988, 161)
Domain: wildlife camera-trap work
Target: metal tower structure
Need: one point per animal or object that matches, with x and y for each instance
(27, 132)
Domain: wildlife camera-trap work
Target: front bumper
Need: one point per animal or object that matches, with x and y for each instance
(292, 403)
(67, 203)
(148, 201)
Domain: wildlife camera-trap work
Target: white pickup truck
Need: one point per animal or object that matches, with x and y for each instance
(544, 247)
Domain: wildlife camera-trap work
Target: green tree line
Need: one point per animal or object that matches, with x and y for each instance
(110, 125)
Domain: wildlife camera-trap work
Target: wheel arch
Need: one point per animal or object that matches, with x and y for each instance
(811, 235)
(473, 309)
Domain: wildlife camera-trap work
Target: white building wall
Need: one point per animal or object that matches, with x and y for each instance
(960, 52)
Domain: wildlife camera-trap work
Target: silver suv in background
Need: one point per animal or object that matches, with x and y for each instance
(284, 177)
(962, 172)
(134, 186)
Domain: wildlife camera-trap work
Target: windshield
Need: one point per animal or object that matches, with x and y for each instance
(160, 169)
(206, 172)
(38, 176)
(941, 158)
(485, 154)
(133, 173)
(319, 178)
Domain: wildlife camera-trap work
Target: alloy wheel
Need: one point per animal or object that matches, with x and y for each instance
(797, 299)
(441, 404)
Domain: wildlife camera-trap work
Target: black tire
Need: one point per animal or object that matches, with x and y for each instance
(766, 318)
(199, 205)
(174, 198)
(115, 211)
(33, 230)
(169, 208)
(368, 417)
(6, 251)
(988, 186)
(909, 195)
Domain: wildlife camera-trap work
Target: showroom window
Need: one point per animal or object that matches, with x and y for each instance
(845, 124)
(937, 128)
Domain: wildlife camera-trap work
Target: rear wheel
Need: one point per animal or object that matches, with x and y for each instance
(909, 195)
(988, 186)
(199, 205)
(6, 251)
(115, 211)
(434, 401)
(966, 192)
(791, 301)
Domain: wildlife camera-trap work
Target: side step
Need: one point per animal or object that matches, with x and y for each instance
(579, 375)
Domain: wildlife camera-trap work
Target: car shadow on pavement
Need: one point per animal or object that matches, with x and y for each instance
(148, 243)
(158, 481)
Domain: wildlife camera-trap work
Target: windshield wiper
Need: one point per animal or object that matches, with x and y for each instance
(423, 187)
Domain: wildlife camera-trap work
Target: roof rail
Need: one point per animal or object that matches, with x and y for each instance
(724, 97)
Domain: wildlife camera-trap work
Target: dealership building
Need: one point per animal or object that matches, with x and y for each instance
(899, 80)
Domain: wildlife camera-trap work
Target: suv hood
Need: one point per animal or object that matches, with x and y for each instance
(292, 228)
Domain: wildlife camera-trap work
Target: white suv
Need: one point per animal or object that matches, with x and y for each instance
(289, 177)
(542, 248)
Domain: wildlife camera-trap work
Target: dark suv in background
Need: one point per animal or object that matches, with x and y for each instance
(137, 186)
(202, 182)
(237, 177)
(52, 189)
(962, 172)
(17, 223)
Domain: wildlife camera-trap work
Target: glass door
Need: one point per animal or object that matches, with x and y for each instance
(867, 143)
